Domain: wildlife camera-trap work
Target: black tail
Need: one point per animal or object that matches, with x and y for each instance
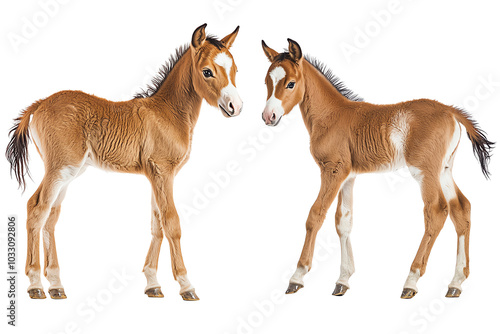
(17, 150)
(481, 146)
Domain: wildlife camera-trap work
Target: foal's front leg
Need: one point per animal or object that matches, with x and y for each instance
(331, 180)
(163, 191)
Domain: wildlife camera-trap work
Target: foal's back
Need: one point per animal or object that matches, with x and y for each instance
(71, 126)
(386, 137)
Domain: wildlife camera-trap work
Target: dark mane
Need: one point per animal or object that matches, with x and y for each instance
(165, 69)
(334, 80)
(163, 73)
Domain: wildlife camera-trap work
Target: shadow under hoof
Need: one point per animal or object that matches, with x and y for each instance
(57, 294)
(154, 293)
(37, 294)
(340, 290)
(293, 288)
(189, 296)
(408, 293)
(453, 293)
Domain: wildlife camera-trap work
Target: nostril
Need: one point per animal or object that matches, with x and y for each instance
(273, 117)
(231, 107)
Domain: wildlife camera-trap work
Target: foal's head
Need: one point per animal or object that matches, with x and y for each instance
(214, 71)
(284, 80)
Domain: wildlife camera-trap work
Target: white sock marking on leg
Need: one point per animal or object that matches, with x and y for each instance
(461, 263)
(150, 274)
(185, 284)
(298, 276)
(54, 278)
(344, 228)
(411, 281)
(35, 281)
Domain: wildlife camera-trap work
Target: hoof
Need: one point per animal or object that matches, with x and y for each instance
(37, 294)
(57, 294)
(189, 296)
(293, 288)
(154, 293)
(453, 293)
(340, 289)
(408, 293)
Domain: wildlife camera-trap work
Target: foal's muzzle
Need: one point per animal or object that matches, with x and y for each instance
(230, 102)
(231, 109)
(270, 117)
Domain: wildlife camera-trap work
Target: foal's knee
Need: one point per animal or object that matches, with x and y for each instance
(343, 222)
(463, 204)
(316, 217)
(460, 214)
(171, 226)
(437, 208)
(51, 222)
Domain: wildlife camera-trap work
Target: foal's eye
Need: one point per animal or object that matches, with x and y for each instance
(290, 85)
(207, 73)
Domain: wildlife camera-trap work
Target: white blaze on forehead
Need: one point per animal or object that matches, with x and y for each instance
(273, 103)
(229, 93)
(222, 59)
(276, 75)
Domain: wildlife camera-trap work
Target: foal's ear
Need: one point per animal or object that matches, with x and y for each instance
(295, 50)
(270, 53)
(198, 36)
(229, 39)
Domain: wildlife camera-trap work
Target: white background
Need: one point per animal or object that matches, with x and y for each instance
(242, 247)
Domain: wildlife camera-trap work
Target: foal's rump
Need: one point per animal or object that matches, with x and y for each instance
(56, 127)
(435, 133)
(432, 135)
(70, 128)
(420, 133)
(388, 137)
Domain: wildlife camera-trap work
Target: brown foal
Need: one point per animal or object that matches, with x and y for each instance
(148, 135)
(351, 137)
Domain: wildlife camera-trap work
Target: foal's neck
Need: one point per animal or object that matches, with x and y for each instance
(322, 103)
(177, 96)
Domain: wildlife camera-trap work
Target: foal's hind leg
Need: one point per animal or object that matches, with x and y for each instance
(153, 288)
(51, 264)
(343, 224)
(460, 215)
(39, 208)
(435, 213)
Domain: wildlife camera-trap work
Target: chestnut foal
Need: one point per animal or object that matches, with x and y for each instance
(350, 137)
(148, 135)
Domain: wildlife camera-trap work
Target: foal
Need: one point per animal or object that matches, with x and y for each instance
(148, 135)
(350, 137)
